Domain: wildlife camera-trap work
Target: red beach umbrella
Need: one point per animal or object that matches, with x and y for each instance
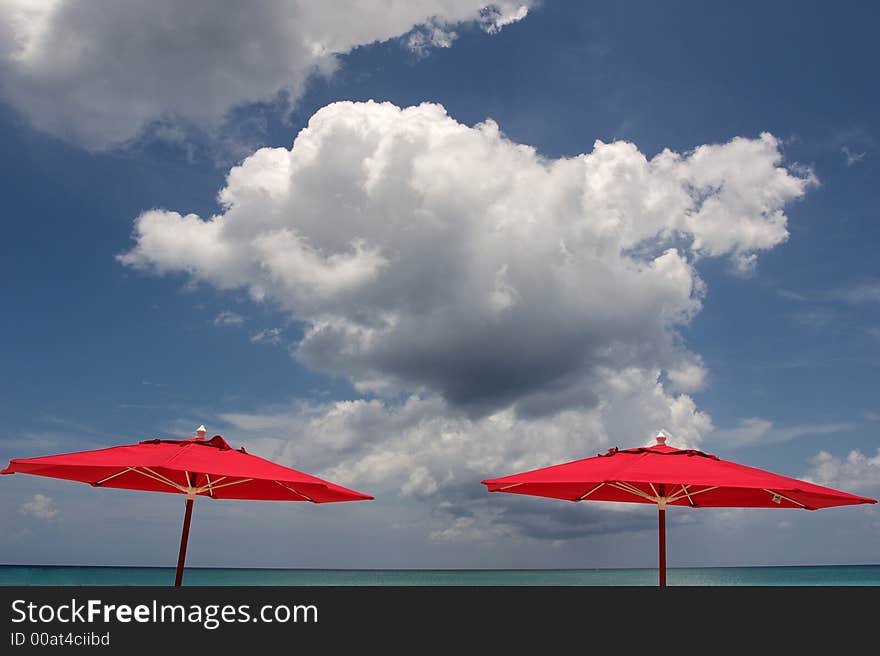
(193, 467)
(666, 476)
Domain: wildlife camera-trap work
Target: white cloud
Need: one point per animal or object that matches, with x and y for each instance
(498, 15)
(755, 430)
(855, 472)
(852, 156)
(228, 318)
(868, 292)
(688, 376)
(424, 448)
(424, 255)
(267, 336)
(739, 213)
(40, 506)
(528, 308)
(855, 293)
(432, 34)
(99, 73)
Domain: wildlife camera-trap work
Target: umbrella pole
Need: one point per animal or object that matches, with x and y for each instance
(662, 521)
(661, 512)
(187, 517)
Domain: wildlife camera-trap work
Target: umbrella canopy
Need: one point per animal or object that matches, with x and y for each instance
(196, 466)
(193, 467)
(666, 476)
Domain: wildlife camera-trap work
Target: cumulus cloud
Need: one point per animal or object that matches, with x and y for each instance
(421, 444)
(527, 310)
(687, 376)
(423, 448)
(429, 256)
(40, 506)
(99, 73)
(856, 472)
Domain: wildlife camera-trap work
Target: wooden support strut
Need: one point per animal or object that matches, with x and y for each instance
(184, 537)
(661, 512)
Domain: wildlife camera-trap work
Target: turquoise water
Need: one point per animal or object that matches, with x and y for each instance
(702, 576)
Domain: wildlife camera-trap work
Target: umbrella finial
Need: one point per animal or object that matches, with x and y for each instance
(201, 431)
(661, 438)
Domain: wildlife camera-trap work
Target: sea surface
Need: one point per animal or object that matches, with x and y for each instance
(837, 575)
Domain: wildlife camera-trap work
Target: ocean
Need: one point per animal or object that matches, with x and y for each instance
(823, 575)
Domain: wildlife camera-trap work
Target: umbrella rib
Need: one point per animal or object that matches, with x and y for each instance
(684, 488)
(584, 496)
(689, 494)
(112, 476)
(287, 487)
(705, 489)
(632, 489)
(149, 473)
(789, 499)
(627, 486)
(683, 493)
(211, 486)
(217, 487)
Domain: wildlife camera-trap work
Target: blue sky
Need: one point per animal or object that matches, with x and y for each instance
(98, 351)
